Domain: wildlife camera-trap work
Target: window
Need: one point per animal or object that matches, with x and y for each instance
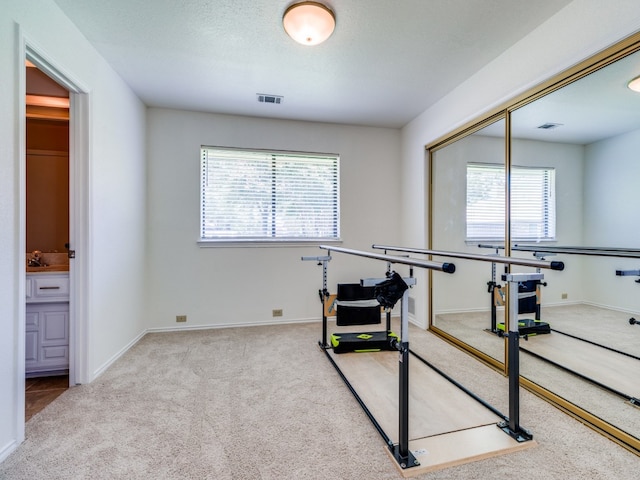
(533, 209)
(253, 195)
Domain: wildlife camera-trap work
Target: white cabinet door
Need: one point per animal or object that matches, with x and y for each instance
(47, 337)
(32, 336)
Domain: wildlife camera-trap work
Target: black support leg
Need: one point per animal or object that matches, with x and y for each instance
(401, 451)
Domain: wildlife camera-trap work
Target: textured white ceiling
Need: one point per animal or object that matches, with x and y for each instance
(386, 62)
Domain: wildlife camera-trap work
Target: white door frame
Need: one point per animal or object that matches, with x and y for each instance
(79, 213)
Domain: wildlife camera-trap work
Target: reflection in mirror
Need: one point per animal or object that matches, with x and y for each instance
(588, 134)
(463, 214)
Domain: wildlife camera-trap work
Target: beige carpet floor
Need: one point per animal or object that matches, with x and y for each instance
(264, 403)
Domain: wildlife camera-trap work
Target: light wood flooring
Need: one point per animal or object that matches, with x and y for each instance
(446, 426)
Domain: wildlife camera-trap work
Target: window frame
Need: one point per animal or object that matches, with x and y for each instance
(273, 239)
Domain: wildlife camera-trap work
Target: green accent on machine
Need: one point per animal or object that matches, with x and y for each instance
(363, 342)
(529, 326)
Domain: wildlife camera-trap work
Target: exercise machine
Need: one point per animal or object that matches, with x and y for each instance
(529, 300)
(360, 304)
(510, 424)
(388, 291)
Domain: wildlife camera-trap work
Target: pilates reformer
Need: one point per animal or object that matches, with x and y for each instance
(400, 450)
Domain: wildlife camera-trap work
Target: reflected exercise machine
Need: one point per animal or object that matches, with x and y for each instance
(529, 300)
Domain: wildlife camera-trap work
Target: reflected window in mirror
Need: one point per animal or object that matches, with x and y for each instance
(533, 209)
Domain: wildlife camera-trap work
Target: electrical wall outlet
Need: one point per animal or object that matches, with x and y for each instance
(276, 312)
(181, 318)
(565, 296)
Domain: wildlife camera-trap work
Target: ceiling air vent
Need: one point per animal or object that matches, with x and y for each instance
(549, 126)
(264, 98)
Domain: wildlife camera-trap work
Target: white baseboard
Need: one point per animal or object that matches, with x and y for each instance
(213, 326)
(99, 371)
(610, 307)
(7, 450)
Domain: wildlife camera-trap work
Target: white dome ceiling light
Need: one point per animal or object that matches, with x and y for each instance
(309, 23)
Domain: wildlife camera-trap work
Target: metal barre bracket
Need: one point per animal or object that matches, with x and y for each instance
(324, 258)
(624, 273)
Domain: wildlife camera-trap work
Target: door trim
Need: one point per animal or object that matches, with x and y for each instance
(79, 213)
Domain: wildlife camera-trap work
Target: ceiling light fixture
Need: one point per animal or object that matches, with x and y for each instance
(309, 23)
(634, 84)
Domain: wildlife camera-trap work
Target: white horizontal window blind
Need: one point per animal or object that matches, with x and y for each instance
(533, 212)
(269, 196)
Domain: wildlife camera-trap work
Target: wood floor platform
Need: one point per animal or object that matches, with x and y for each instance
(615, 370)
(446, 426)
(464, 446)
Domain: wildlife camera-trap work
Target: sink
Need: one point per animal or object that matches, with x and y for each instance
(49, 268)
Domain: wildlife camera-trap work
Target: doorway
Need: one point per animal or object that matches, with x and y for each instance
(47, 309)
(70, 100)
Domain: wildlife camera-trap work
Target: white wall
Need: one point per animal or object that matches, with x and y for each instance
(219, 286)
(556, 45)
(612, 219)
(114, 194)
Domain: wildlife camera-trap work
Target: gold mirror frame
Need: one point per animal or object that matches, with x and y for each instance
(606, 57)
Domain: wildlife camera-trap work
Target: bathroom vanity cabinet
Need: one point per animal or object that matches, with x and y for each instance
(47, 323)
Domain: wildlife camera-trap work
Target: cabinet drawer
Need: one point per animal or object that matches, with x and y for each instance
(48, 288)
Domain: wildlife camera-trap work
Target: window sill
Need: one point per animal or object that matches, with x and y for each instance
(253, 243)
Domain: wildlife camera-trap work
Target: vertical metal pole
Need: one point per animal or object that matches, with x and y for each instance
(388, 313)
(492, 290)
(404, 376)
(514, 360)
(512, 426)
(323, 293)
(324, 298)
(401, 451)
(538, 293)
